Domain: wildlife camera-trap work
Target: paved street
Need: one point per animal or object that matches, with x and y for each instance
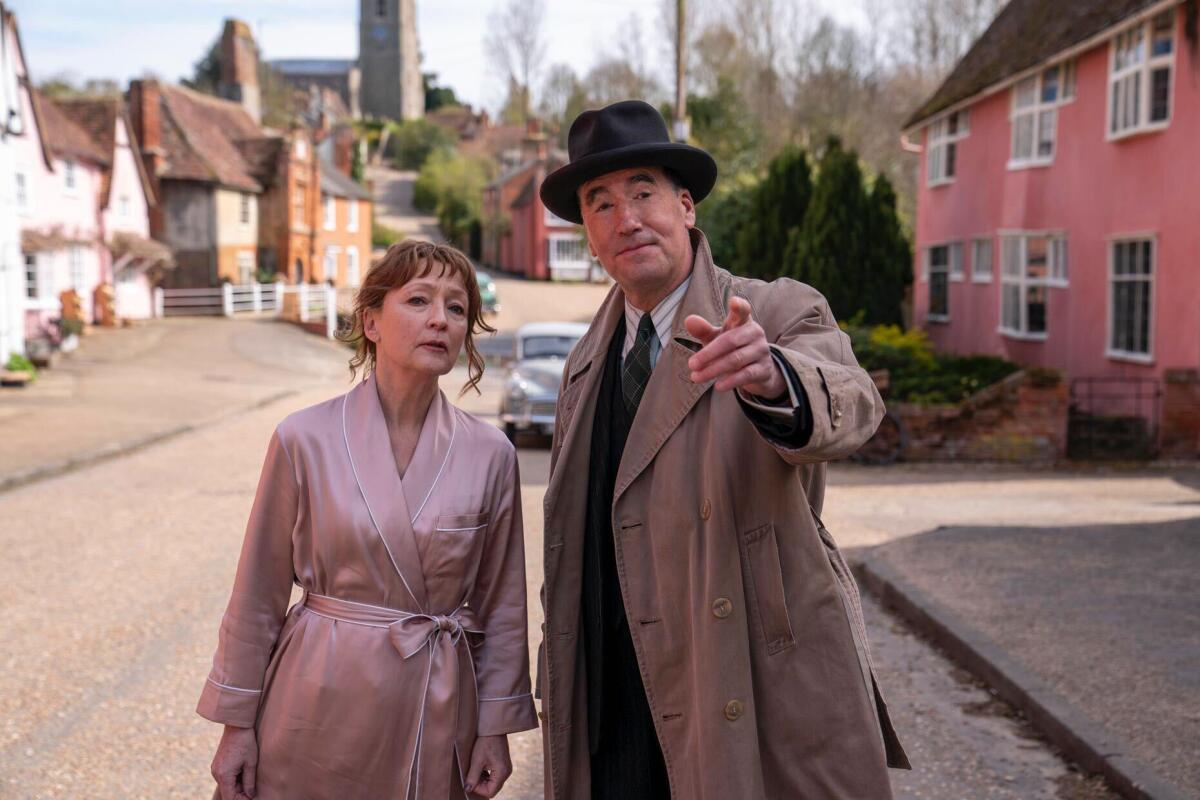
(116, 574)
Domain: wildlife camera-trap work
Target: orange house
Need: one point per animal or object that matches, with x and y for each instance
(343, 229)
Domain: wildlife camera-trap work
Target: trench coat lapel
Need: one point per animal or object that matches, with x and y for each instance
(670, 394)
(577, 403)
(387, 497)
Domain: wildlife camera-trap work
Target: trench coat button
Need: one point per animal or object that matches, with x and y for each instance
(722, 608)
(734, 710)
(705, 509)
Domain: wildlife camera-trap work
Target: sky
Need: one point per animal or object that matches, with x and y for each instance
(123, 39)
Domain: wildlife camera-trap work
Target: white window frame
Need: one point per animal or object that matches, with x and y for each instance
(301, 148)
(352, 215)
(70, 178)
(1112, 242)
(245, 217)
(329, 205)
(353, 267)
(940, 142)
(1036, 112)
(331, 262)
(76, 268)
(21, 180)
(1057, 277)
(953, 256)
(33, 276)
(124, 207)
(976, 245)
(1140, 74)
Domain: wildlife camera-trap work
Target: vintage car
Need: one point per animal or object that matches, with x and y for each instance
(531, 386)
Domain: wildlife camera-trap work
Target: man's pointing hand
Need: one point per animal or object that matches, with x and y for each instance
(735, 355)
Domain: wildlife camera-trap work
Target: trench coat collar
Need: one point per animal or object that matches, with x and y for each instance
(395, 504)
(669, 396)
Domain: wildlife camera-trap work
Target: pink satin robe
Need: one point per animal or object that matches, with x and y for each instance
(411, 640)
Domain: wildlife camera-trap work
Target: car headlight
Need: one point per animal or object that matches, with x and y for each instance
(518, 389)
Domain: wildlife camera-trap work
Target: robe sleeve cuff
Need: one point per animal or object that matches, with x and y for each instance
(229, 705)
(506, 715)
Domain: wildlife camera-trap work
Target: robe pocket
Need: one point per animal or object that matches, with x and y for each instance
(764, 580)
(462, 523)
(457, 544)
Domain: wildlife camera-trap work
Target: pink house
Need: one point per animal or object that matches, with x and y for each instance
(1058, 212)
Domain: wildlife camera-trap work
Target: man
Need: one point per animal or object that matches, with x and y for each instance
(703, 636)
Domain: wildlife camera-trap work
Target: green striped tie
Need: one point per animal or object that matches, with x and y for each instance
(635, 373)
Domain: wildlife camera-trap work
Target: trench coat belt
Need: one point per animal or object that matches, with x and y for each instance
(450, 696)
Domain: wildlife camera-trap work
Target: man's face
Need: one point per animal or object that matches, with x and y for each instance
(637, 224)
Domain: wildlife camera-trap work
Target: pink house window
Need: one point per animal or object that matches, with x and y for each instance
(1030, 265)
(1131, 304)
(1035, 114)
(1140, 76)
(944, 136)
(942, 262)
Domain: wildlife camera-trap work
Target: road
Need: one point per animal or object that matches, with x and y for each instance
(115, 577)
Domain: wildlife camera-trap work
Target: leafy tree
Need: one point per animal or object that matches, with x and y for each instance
(724, 213)
(437, 96)
(889, 257)
(723, 126)
(778, 209)
(206, 73)
(451, 186)
(829, 250)
(414, 140)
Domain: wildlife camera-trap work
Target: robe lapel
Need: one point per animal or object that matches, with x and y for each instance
(670, 394)
(428, 464)
(374, 469)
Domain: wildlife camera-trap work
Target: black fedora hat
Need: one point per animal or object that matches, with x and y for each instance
(630, 133)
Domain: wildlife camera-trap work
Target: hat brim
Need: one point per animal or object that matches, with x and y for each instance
(695, 168)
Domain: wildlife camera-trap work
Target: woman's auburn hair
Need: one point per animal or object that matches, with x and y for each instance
(402, 263)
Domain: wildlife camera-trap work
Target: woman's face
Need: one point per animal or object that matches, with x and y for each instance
(420, 326)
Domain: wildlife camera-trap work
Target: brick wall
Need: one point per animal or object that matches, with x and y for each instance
(1020, 419)
(1180, 429)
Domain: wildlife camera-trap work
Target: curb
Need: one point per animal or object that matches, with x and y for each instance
(1078, 738)
(116, 449)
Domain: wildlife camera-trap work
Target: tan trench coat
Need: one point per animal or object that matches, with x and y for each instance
(744, 618)
(411, 639)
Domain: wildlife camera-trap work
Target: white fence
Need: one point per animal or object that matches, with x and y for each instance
(303, 303)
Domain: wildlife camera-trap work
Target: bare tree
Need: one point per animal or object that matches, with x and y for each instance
(516, 49)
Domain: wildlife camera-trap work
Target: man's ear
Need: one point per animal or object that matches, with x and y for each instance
(689, 208)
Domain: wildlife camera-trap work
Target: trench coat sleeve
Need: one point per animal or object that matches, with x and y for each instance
(502, 660)
(844, 406)
(258, 604)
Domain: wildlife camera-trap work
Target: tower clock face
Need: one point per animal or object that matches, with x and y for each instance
(379, 32)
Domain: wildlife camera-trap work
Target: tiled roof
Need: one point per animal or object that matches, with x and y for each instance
(200, 135)
(1025, 34)
(64, 137)
(262, 157)
(335, 183)
(98, 118)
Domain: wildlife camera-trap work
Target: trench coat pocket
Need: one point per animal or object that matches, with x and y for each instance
(764, 579)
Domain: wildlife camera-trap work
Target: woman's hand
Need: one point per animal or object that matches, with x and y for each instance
(235, 763)
(490, 766)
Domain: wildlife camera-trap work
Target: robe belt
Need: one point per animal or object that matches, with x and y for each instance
(450, 696)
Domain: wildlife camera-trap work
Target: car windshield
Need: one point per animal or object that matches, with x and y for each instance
(547, 346)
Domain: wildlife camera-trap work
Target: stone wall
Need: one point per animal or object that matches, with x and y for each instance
(1020, 419)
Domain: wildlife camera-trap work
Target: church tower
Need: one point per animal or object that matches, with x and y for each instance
(388, 58)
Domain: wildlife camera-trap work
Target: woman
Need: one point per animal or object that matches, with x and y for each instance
(405, 665)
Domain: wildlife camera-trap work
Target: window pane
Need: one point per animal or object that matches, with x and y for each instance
(981, 259)
(1164, 26)
(939, 258)
(939, 297)
(1011, 256)
(1046, 122)
(936, 162)
(1068, 89)
(1121, 293)
(1036, 309)
(1010, 307)
(1137, 45)
(951, 157)
(1144, 261)
(956, 259)
(952, 124)
(1036, 257)
(1160, 94)
(1058, 264)
(1023, 137)
(1026, 92)
(1118, 97)
(1050, 85)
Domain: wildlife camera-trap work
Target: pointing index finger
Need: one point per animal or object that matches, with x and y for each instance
(739, 314)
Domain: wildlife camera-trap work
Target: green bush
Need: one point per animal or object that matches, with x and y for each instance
(917, 374)
(451, 186)
(383, 236)
(19, 363)
(415, 140)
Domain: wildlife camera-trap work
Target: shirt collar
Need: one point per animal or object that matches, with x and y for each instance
(663, 315)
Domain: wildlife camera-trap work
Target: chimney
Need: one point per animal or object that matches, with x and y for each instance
(343, 147)
(239, 68)
(535, 145)
(145, 111)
